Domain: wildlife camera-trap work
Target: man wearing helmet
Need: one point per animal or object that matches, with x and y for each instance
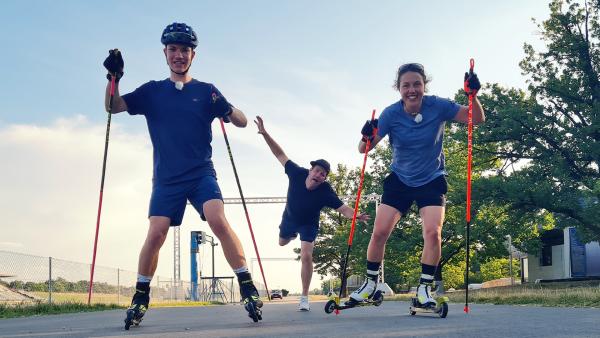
(179, 111)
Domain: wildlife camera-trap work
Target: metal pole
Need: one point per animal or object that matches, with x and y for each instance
(118, 286)
(194, 264)
(510, 262)
(212, 284)
(49, 280)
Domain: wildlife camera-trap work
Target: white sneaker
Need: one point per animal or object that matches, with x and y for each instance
(304, 306)
(424, 295)
(364, 292)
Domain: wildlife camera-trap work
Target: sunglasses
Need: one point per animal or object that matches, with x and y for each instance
(411, 67)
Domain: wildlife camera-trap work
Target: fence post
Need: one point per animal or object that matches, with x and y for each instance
(118, 286)
(49, 280)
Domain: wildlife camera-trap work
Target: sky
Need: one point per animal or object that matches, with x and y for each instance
(314, 70)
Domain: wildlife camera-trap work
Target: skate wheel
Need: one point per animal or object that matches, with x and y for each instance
(252, 312)
(128, 320)
(330, 306)
(412, 313)
(443, 310)
(377, 298)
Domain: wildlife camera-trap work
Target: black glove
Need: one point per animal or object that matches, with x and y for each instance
(114, 64)
(220, 107)
(368, 130)
(472, 84)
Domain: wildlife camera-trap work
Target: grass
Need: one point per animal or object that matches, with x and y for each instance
(39, 308)
(569, 294)
(74, 297)
(65, 302)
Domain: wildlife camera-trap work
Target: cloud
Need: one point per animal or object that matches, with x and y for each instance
(50, 183)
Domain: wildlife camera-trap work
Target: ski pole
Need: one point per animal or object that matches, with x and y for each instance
(351, 235)
(110, 102)
(469, 160)
(237, 180)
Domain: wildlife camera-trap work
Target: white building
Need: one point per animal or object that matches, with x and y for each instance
(563, 256)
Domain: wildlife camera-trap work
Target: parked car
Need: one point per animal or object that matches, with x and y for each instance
(276, 294)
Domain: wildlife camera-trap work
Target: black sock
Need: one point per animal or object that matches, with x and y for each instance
(373, 270)
(142, 287)
(244, 277)
(427, 272)
(437, 276)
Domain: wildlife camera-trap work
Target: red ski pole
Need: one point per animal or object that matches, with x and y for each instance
(351, 235)
(237, 180)
(110, 102)
(469, 160)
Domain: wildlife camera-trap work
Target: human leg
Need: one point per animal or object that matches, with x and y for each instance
(432, 217)
(385, 220)
(306, 257)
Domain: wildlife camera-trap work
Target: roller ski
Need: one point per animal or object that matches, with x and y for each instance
(366, 295)
(251, 300)
(425, 303)
(139, 306)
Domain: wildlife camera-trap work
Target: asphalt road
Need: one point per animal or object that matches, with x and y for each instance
(281, 319)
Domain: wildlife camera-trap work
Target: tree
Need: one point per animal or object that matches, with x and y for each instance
(548, 139)
(499, 268)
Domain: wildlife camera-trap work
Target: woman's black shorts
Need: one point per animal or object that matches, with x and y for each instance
(400, 196)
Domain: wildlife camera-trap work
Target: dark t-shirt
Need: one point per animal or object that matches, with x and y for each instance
(179, 123)
(304, 206)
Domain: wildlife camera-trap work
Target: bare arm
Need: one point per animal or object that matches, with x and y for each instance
(362, 145)
(275, 148)
(238, 118)
(348, 212)
(118, 104)
(478, 114)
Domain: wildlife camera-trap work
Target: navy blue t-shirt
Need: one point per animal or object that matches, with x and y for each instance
(304, 206)
(179, 123)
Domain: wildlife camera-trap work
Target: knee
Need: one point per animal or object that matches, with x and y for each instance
(379, 237)
(218, 224)
(433, 236)
(157, 237)
(306, 258)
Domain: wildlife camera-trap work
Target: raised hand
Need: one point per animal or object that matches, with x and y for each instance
(114, 64)
(261, 127)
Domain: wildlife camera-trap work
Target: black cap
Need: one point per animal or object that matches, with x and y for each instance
(322, 163)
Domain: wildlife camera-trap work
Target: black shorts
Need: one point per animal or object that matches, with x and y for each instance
(400, 196)
(308, 233)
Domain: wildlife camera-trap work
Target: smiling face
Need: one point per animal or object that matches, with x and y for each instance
(179, 57)
(412, 88)
(316, 176)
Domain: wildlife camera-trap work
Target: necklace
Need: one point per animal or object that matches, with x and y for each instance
(417, 117)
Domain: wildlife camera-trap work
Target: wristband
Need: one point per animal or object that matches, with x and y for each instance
(117, 77)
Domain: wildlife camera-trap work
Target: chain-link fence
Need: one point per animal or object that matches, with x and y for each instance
(27, 278)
